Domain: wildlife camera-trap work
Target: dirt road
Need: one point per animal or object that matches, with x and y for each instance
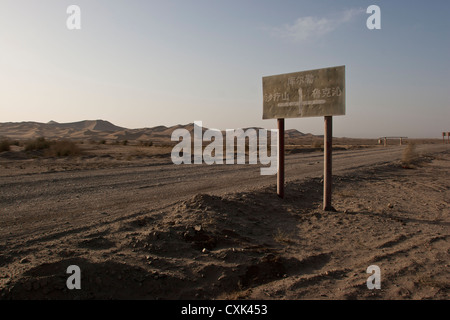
(49, 201)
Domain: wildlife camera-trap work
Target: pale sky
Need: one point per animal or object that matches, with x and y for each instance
(146, 63)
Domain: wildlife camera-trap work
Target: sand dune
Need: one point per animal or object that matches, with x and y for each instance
(99, 130)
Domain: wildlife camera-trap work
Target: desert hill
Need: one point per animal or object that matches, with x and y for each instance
(97, 130)
(94, 125)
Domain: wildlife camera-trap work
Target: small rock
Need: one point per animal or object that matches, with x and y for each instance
(390, 205)
(25, 260)
(205, 250)
(198, 228)
(154, 235)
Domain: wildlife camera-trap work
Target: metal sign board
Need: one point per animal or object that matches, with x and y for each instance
(313, 93)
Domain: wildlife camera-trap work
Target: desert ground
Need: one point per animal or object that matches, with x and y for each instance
(140, 227)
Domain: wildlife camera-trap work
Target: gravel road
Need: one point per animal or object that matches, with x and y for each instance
(48, 202)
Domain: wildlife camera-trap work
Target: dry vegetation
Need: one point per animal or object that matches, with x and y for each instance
(63, 148)
(409, 156)
(4, 145)
(37, 144)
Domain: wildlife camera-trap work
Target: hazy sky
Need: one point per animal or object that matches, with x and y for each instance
(146, 63)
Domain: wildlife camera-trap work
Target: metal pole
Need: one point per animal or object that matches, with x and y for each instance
(448, 137)
(327, 170)
(443, 137)
(280, 175)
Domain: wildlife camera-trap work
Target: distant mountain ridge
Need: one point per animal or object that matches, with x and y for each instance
(98, 130)
(96, 125)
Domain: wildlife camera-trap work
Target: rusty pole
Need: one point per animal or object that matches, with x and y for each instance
(327, 170)
(443, 137)
(280, 175)
(448, 137)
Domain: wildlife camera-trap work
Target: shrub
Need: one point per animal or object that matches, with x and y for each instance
(317, 144)
(4, 145)
(409, 156)
(63, 148)
(37, 144)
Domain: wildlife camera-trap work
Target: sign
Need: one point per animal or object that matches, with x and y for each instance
(313, 93)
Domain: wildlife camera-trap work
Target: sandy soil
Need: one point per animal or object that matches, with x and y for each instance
(251, 244)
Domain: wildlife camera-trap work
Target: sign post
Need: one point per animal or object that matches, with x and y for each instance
(327, 166)
(313, 93)
(280, 154)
